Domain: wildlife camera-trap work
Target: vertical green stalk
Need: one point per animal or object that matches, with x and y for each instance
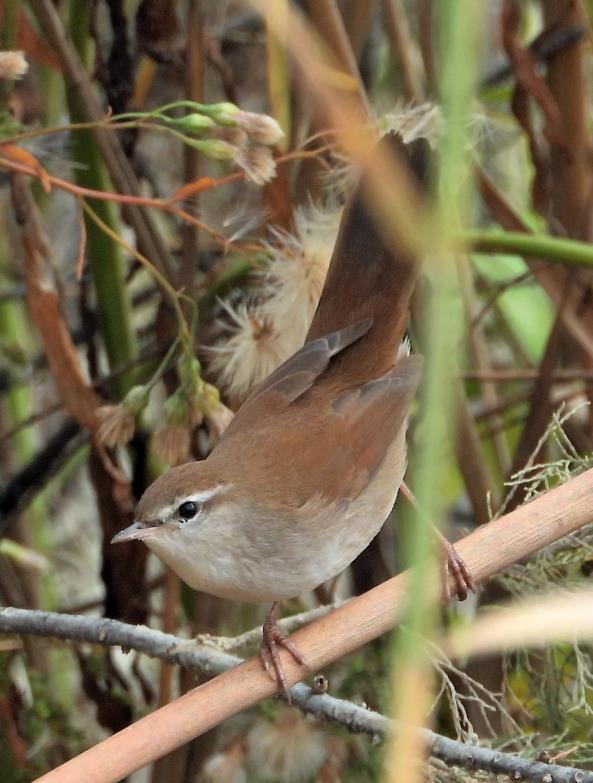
(7, 40)
(19, 401)
(8, 31)
(12, 316)
(459, 24)
(14, 328)
(105, 256)
(278, 68)
(20, 405)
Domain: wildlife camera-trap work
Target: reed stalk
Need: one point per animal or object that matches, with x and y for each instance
(105, 256)
(411, 668)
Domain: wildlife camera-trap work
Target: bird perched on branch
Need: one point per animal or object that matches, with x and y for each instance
(309, 468)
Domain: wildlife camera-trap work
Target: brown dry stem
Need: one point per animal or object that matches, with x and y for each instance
(44, 306)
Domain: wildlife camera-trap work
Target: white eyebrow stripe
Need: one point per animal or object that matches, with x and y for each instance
(197, 497)
(204, 496)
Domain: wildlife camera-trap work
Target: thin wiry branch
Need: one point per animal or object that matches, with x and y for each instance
(253, 637)
(188, 653)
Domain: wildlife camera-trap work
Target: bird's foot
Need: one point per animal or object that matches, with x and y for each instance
(454, 565)
(273, 638)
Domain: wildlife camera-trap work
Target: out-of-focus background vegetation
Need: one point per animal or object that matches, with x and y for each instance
(131, 326)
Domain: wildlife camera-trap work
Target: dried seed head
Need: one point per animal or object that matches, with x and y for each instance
(291, 749)
(226, 766)
(415, 122)
(266, 333)
(257, 162)
(250, 354)
(13, 65)
(298, 271)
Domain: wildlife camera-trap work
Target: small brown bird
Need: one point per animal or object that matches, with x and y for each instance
(308, 470)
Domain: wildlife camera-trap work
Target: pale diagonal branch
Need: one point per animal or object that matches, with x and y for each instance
(488, 550)
(188, 653)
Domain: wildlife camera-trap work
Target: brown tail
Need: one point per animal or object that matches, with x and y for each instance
(369, 279)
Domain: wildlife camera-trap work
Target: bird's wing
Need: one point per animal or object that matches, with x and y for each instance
(296, 375)
(370, 417)
(329, 448)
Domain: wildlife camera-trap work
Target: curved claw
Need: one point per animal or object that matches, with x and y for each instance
(273, 638)
(455, 566)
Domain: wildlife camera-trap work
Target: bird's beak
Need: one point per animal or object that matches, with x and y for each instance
(135, 532)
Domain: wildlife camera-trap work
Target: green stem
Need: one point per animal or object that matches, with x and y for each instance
(458, 28)
(15, 328)
(279, 91)
(158, 373)
(184, 331)
(106, 259)
(73, 126)
(563, 251)
(7, 41)
(208, 109)
(8, 29)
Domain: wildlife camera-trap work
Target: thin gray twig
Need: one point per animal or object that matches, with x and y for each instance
(188, 653)
(254, 635)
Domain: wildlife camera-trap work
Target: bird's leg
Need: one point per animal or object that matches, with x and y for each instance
(453, 563)
(273, 638)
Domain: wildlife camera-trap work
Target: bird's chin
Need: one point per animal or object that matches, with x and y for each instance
(136, 532)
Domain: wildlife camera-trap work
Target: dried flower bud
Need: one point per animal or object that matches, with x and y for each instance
(171, 443)
(116, 425)
(261, 128)
(257, 163)
(218, 420)
(13, 65)
(235, 136)
(209, 398)
(118, 422)
(184, 409)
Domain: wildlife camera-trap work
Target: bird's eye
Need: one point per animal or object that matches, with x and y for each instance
(188, 510)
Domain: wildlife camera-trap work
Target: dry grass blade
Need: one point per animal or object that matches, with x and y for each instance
(555, 617)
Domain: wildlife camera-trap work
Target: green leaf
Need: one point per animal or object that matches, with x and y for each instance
(525, 307)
